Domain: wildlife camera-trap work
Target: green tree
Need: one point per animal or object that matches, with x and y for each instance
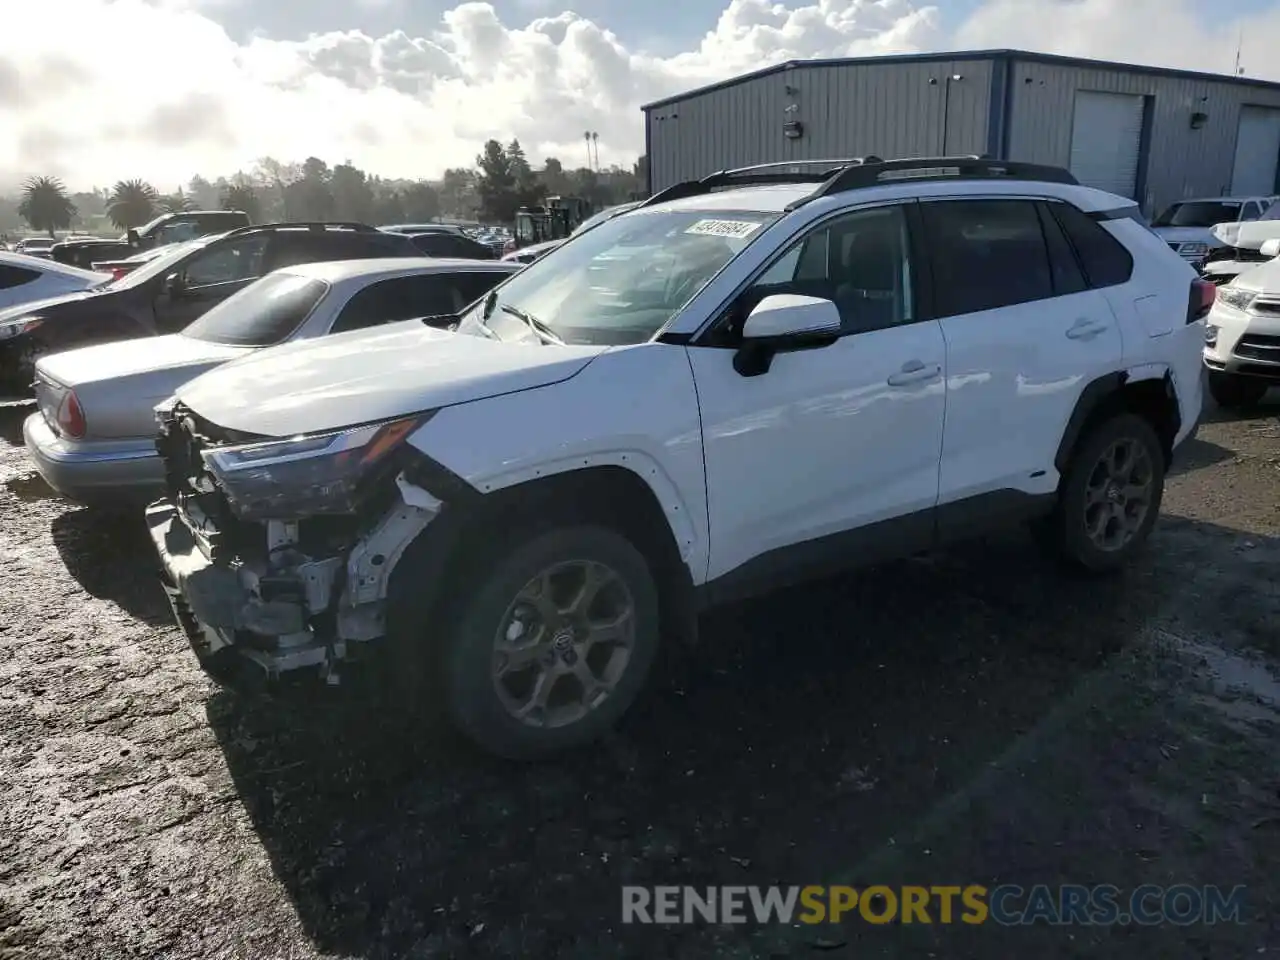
(459, 193)
(555, 183)
(496, 184)
(310, 197)
(132, 203)
(242, 197)
(352, 194)
(528, 186)
(45, 205)
(421, 202)
(176, 202)
(202, 193)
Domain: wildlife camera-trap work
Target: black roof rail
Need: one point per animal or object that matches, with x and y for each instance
(783, 172)
(857, 173)
(304, 224)
(877, 173)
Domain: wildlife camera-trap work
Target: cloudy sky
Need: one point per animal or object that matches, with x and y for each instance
(98, 90)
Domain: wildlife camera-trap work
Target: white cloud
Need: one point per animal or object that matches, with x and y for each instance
(97, 90)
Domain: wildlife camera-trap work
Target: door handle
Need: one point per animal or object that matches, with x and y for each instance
(915, 371)
(1085, 329)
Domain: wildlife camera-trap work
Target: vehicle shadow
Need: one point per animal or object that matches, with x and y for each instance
(1196, 454)
(111, 557)
(809, 727)
(12, 413)
(1267, 408)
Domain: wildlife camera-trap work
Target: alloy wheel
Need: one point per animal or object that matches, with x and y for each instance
(563, 643)
(1118, 494)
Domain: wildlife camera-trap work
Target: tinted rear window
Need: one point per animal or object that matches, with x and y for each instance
(263, 313)
(1105, 260)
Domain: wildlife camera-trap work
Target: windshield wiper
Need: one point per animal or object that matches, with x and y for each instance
(544, 332)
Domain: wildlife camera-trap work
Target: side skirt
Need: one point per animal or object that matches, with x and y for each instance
(874, 543)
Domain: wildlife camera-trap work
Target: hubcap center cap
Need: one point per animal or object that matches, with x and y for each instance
(1114, 494)
(563, 640)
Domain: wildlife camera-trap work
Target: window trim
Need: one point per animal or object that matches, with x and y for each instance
(211, 248)
(921, 279)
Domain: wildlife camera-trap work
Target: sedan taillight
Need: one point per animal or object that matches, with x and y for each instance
(70, 417)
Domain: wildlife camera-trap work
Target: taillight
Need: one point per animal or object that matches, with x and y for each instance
(118, 272)
(71, 416)
(1200, 302)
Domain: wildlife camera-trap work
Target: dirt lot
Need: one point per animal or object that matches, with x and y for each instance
(967, 718)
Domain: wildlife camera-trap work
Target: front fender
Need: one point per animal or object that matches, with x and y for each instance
(633, 408)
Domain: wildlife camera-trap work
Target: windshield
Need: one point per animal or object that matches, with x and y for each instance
(598, 218)
(156, 266)
(1198, 213)
(263, 313)
(1272, 212)
(620, 282)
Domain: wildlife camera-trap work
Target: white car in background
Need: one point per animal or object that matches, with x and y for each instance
(1244, 246)
(93, 437)
(1242, 335)
(25, 279)
(1188, 225)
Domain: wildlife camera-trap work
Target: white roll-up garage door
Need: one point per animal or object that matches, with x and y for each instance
(1106, 140)
(1257, 152)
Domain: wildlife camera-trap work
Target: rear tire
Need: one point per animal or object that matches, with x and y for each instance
(551, 643)
(1109, 498)
(1235, 392)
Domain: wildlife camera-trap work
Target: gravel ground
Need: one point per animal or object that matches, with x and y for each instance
(962, 718)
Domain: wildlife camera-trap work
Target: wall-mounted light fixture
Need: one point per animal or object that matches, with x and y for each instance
(793, 129)
(1198, 120)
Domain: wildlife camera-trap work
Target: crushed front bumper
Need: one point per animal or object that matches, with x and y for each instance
(222, 610)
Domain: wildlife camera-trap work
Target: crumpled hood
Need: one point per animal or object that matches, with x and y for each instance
(1251, 236)
(35, 307)
(368, 375)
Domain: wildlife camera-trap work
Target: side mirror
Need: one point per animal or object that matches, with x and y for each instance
(782, 323)
(174, 285)
(1270, 248)
(133, 238)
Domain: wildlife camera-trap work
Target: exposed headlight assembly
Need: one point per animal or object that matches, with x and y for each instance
(1237, 297)
(306, 475)
(16, 328)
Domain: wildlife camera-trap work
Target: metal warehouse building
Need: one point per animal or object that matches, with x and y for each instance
(1151, 134)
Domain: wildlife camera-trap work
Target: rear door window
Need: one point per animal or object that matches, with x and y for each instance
(1063, 265)
(230, 261)
(986, 254)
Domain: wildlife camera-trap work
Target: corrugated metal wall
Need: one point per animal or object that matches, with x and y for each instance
(1180, 162)
(891, 110)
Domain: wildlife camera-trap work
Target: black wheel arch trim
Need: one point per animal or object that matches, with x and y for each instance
(1089, 400)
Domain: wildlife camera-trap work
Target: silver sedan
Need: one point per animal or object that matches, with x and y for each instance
(92, 437)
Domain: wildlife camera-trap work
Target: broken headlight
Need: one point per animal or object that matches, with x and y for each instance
(306, 475)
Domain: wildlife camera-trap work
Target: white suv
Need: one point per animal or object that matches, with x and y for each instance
(763, 376)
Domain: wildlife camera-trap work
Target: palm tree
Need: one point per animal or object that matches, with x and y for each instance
(45, 204)
(242, 197)
(176, 202)
(132, 203)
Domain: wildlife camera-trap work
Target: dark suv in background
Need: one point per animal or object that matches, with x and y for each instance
(175, 288)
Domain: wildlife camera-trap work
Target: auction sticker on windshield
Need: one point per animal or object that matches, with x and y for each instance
(733, 229)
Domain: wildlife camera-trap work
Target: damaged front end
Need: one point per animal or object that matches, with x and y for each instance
(280, 551)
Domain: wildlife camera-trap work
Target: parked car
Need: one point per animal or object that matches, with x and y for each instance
(24, 279)
(93, 439)
(1187, 226)
(1241, 246)
(169, 292)
(83, 251)
(185, 225)
(118, 268)
(1242, 337)
(440, 243)
(35, 246)
(774, 381)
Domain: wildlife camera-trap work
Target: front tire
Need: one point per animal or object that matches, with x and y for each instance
(553, 643)
(1235, 392)
(1110, 496)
